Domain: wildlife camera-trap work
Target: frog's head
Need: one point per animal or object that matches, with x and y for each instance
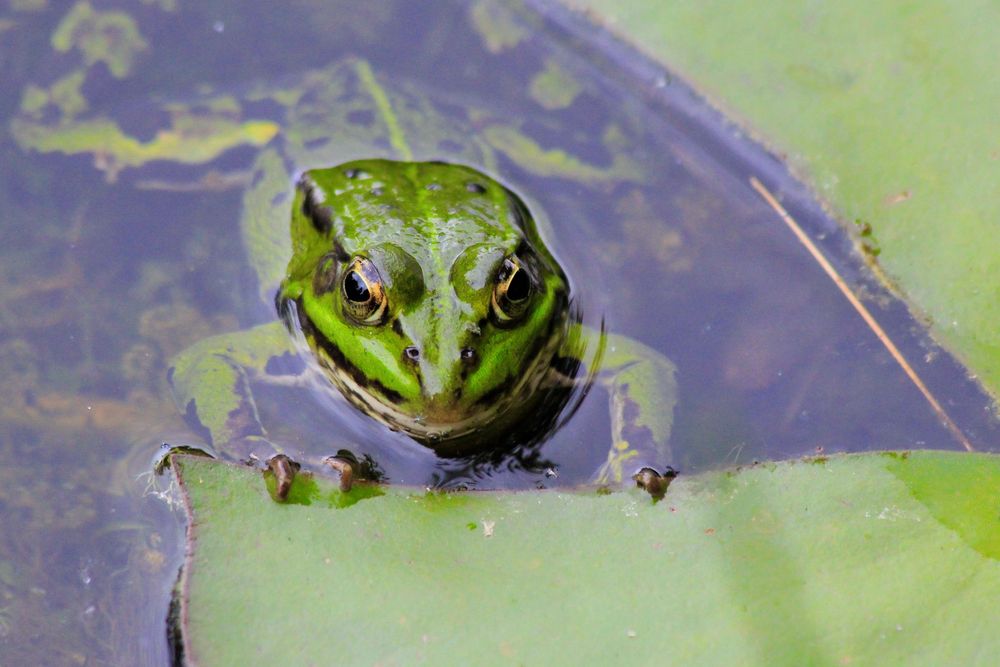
(425, 293)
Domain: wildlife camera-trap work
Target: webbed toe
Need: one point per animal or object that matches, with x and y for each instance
(345, 467)
(654, 483)
(284, 470)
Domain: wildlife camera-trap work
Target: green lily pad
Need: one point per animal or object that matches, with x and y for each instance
(856, 559)
(889, 108)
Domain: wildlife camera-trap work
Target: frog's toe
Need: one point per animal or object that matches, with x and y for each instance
(345, 466)
(284, 470)
(161, 459)
(654, 482)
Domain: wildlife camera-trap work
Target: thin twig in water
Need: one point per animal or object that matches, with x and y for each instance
(862, 310)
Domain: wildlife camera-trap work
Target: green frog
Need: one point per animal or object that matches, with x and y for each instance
(405, 280)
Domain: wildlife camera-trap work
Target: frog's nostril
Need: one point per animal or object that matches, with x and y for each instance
(411, 353)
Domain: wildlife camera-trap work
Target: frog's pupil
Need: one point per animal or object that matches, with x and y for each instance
(517, 289)
(355, 288)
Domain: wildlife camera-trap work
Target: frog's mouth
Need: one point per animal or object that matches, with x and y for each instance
(450, 432)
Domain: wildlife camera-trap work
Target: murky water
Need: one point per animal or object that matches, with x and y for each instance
(109, 270)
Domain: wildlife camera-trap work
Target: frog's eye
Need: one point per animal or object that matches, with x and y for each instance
(512, 292)
(364, 296)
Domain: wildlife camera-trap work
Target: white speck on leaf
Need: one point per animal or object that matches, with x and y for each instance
(893, 513)
(631, 509)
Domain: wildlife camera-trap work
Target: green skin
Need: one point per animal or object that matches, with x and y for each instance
(450, 359)
(407, 368)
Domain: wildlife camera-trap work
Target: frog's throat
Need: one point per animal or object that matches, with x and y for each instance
(385, 405)
(482, 415)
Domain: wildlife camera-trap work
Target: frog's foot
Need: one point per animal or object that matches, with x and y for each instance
(654, 482)
(284, 470)
(345, 466)
(161, 459)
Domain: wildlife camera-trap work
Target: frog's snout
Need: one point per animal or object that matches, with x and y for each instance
(442, 381)
(443, 407)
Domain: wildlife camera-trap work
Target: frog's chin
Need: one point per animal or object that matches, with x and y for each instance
(451, 432)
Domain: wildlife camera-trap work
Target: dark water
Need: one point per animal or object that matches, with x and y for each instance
(102, 281)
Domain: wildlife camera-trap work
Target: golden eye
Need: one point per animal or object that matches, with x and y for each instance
(512, 292)
(364, 296)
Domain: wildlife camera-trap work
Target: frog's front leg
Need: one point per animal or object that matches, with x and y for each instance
(642, 392)
(211, 382)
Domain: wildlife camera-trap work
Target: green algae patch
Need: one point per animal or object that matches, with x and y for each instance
(888, 108)
(494, 24)
(556, 162)
(865, 559)
(112, 37)
(192, 139)
(554, 88)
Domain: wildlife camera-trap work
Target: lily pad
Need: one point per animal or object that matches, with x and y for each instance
(886, 558)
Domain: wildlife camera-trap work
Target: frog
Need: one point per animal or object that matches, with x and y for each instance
(404, 278)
